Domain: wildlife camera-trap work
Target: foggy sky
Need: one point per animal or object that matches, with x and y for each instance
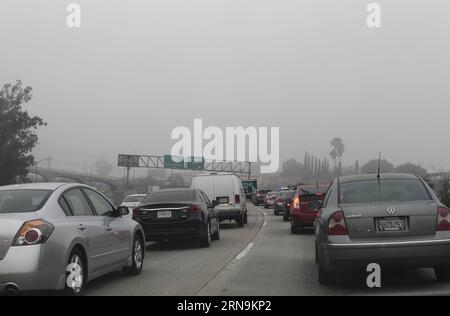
(137, 69)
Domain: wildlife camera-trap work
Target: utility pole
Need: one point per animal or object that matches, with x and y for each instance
(128, 177)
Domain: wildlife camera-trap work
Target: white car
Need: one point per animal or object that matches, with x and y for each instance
(133, 201)
(228, 193)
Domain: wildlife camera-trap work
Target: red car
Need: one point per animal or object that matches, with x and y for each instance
(305, 206)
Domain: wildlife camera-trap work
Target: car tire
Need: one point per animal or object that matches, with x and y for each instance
(326, 277)
(442, 274)
(240, 221)
(137, 256)
(245, 218)
(316, 255)
(205, 241)
(76, 274)
(216, 235)
(285, 217)
(294, 229)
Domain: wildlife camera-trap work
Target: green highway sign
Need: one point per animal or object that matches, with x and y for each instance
(193, 163)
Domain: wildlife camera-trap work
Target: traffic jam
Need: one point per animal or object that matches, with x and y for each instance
(222, 154)
(61, 236)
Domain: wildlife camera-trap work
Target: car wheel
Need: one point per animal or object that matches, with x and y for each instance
(138, 254)
(326, 277)
(316, 257)
(294, 229)
(265, 206)
(240, 221)
(245, 218)
(75, 274)
(442, 274)
(285, 217)
(205, 241)
(216, 235)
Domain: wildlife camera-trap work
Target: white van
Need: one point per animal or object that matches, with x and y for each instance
(228, 193)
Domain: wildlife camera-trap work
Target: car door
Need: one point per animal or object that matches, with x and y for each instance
(89, 227)
(118, 231)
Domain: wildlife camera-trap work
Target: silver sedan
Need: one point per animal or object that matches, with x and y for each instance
(60, 236)
(394, 220)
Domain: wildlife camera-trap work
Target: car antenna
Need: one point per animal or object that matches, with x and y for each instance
(379, 165)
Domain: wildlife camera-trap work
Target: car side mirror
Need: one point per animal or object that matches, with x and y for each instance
(215, 203)
(122, 211)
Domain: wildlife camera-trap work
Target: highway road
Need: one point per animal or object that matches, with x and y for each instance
(263, 258)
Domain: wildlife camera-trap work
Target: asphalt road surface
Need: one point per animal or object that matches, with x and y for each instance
(263, 258)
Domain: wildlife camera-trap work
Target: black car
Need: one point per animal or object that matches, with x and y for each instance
(178, 213)
(259, 197)
(283, 202)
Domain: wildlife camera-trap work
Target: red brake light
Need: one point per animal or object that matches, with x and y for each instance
(136, 212)
(443, 221)
(337, 225)
(195, 209)
(296, 202)
(33, 233)
(237, 199)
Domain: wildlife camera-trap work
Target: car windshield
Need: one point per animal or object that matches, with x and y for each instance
(272, 194)
(170, 196)
(22, 201)
(383, 191)
(134, 199)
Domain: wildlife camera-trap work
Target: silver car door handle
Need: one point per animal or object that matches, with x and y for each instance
(81, 227)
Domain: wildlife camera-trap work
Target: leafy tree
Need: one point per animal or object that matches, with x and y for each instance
(17, 132)
(412, 168)
(372, 166)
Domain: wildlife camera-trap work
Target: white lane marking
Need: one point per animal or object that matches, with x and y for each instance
(244, 252)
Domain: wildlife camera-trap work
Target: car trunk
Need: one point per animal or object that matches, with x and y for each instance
(165, 212)
(10, 224)
(394, 219)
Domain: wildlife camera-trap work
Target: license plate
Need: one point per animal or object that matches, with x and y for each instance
(223, 200)
(164, 214)
(393, 224)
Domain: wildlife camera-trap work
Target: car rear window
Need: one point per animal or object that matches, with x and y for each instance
(383, 191)
(287, 194)
(263, 191)
(312, 190)
(170, 196)
(134, 199)
(22, 201)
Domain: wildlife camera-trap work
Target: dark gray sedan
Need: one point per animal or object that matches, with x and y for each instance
(395, 220)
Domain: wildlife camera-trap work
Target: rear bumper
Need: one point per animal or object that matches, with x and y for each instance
(418, 254)
(301, 219)
(162, 231)
(32, 268)
(229, 214)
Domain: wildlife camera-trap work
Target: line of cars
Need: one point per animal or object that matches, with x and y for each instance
(56, 236)
(391, 219)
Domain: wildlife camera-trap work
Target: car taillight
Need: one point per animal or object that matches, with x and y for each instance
(136, 212)
(194, 209)
(33, 233)
(336, 225)
(443, 221)
(237, 199)
(296, 203)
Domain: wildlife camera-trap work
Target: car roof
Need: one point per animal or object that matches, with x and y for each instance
(383, 176)
(35, 186)
(176, 190)
(215, 174)
(140, 194)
